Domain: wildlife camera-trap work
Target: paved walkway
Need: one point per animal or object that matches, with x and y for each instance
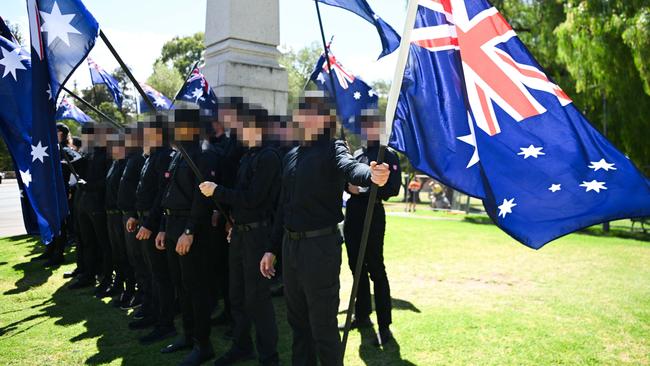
(11, 214)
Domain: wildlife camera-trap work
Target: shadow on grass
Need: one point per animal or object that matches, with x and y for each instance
(388, 354)
(33, 273)
(398, 304)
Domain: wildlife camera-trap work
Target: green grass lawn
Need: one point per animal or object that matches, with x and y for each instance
(464, 294)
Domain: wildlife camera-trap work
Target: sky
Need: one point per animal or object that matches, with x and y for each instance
(139, 28)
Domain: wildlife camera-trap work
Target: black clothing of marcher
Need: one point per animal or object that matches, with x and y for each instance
(148, 196)
(188, 211)
(94, 245)
(309, 209)
(252, 204)
(126, 204)
(124, 277)
(374, 259)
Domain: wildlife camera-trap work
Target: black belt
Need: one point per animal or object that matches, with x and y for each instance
(181, 213)
(251, 226)
(297, 235)
(113, 212)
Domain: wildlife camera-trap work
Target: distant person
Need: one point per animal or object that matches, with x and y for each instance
(413, 190)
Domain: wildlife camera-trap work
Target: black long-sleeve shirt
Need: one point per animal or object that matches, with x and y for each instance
(313, 179)
(394, 183)
(129, 182)
(113, 178)
(182, 192)
(93, 171)
(151, 186)
(256, 189)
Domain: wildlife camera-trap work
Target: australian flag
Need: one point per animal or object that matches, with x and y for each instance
(390, 40)
(477, 112)
(70, 111)
(352, 94)
(161, 102)
(6, 32)
(197, 90)
(99, 76)
(62, 33)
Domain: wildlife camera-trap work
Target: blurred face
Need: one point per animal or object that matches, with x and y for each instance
(60, 136)
(371, 132)
(131, 139)
(118, 152)
(152, 138)
(311, 123)
(251, 136)
(218, 128)
(186, 133)
(228, 118)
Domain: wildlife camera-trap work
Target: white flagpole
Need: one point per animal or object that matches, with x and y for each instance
(402, 58)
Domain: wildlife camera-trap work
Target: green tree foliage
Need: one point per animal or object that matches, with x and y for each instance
(165, 79)
(183, 52)
(299, 65)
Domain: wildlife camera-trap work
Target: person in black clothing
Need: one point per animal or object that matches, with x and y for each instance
(94, 248)
(126, 204)
(313, 178)
(124, 282)
(252, 202)
(148, 196)
(183, 235)
(354, 219)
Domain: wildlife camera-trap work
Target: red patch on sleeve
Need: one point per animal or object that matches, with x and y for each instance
(167, 175)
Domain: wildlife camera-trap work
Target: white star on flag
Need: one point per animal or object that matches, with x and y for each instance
(602, 164)
(160, 102)
(555, 187)
(197, 94)
(371, 93)
(66, 113)
(321, 78)
(12, 61)
(593, 186)
(58, 25)
(531, 150)
(49, 92)
(26, 177)
(506, 207)
(39, 152)
(357, 95)
(471, 140)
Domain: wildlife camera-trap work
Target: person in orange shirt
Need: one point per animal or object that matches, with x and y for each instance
(413, 190)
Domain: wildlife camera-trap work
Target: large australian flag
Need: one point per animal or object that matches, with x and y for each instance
(62, 33)
(353, 95)
(99, 76)
(478, 112)
(197, 90)
(390, 40)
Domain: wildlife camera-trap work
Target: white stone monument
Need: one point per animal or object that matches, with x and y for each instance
(241, 57)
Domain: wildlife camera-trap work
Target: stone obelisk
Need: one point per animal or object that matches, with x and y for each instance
(241, 57)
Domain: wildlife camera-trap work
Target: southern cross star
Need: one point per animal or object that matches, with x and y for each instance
(12, 61)
(555, 187)
(506, 207)
(58, 25)
(531, 150)
(357, 95)
(26, 177)
(602, 164)
(593, 186)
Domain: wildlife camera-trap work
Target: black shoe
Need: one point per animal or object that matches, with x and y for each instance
(179, 344)
(364, 322)
(43, 257)
(116, 302)
(127, 302)
(158, 334)
(222, 319)
(101, 291)
(234, 356)
(54, 262)
(76, 272)
(82, 282)
(131, 302)
(198, 355)
(139, 314)
(384, 337)
(143, 323)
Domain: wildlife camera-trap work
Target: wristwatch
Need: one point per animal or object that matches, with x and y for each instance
(189, 232)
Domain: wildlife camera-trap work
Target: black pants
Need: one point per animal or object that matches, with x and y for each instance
(311, 269)
(190, 279)
(219, 281)
(250, 295)
(93, 237)
(134, 252)
(374, 261)
(124, 278)
(162, 288)
(79, 247)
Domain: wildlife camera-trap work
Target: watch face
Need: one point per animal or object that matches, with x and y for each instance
(187, 232)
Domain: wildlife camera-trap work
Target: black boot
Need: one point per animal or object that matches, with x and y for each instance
(181, 343)
(199, 355)
(234, 356)
(384, 337)
(82, 282)
(158, 334)
(357, 323)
